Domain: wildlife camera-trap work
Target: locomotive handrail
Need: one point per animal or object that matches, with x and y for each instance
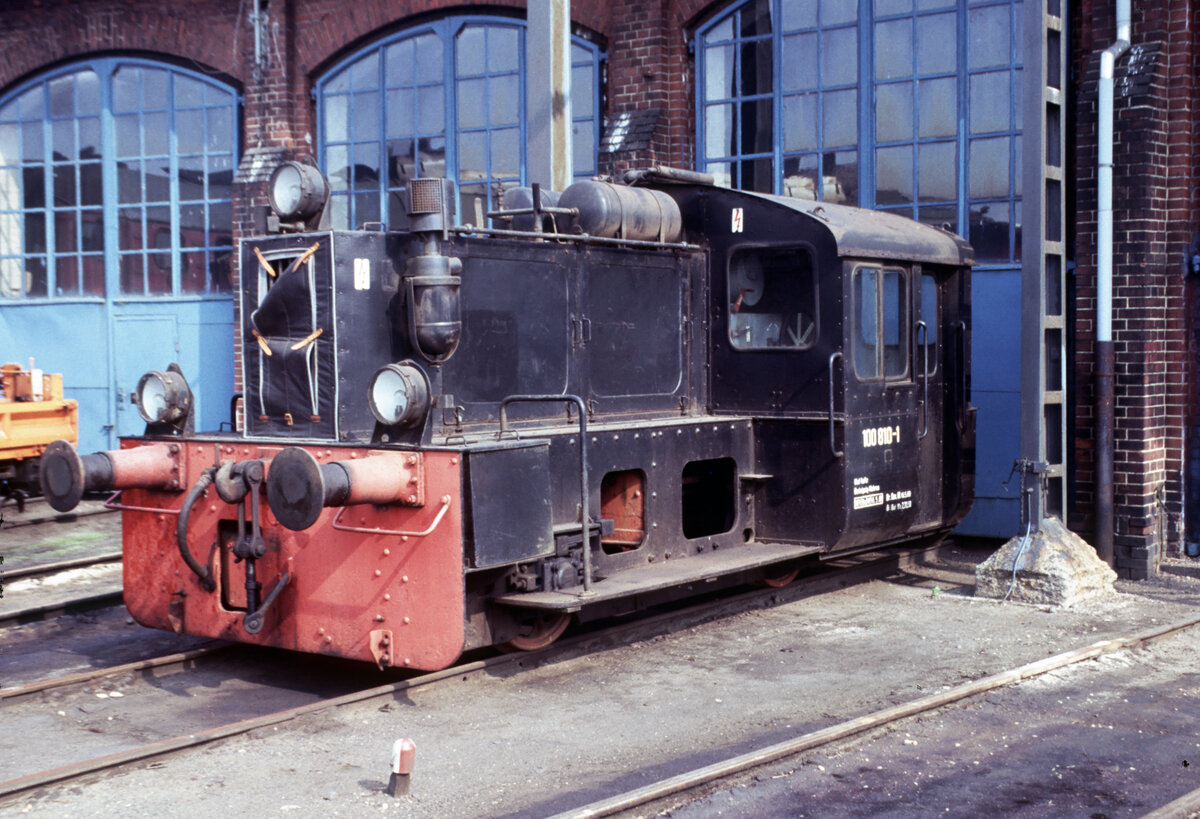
(585, 513)
(437, 519)
(923, 329)
(960, 411)
(837, 453)
(111, 503)
(467, 230)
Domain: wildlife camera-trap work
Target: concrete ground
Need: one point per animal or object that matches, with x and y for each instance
(604, 719)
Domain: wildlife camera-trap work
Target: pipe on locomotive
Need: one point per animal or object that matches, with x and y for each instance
(65, 476)
(298, 487)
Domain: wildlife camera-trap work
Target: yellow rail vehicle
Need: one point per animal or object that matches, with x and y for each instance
(33, 413)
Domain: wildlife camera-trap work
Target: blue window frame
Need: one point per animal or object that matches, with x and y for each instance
(115, 179)
(442, 99)
(904, 105)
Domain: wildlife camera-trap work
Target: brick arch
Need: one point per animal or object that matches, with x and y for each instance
(67, 32)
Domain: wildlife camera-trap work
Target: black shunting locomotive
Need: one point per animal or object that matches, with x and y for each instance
(457, 436)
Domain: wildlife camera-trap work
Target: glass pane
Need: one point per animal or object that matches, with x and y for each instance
(125, 89)
(893, 112)
(129, 181)
(800, 123)
(35, 277)
(582, 84)
(800, 176)
(155, 134)
(429, 57)
(188, 92)
(988, 30)
(755, 18)
(840, 118)
(10, 142)
(220, 128)
(64, 186)
(402, 161)
(32, 149)
(937, 172)
(943, 216)
(34, 187)
(364, 110)
(866, 291)
(191, 219)
(192, 272)
(721, 173)
(987, 168)
(431, 110)
(157, 181)
(154, 88)
(583, 147)
(189, 131)
(62, 96)
(840, 183)
(133, 273)
(87, 93)
(89, 138)
(470, 51)
(718, 130)
(718, 72)
(92, 230)
(989, 103)
(937, 103)
(757, 175)
(220, 224)
(468, 194)
(758, 123)
(894, 175)
(895, 325)
(364, 73)
(938, 36)
(839, 57)
(757, 74)
(989, 231)
(35, 233)
(129, 135)
(366, 165)
(339, 83)
(219, 267)
(893, 49)
(929, 315)
(432, 156)
(798, 14)
(504, 97)
(772, 299)
(337, 116)
(505, 152)
(472, 156)
(886, 8)
(838, 11)
(503, 53)
(400, 112)
(66, 275)
(799, 62)
(398, 62)
(62, 137)
(129, 226)
(220, 176)
(472, 103)
(366, 208)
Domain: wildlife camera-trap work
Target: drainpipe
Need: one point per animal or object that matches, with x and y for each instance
(1105, 399)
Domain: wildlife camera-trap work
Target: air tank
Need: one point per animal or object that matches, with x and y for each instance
(619, 211)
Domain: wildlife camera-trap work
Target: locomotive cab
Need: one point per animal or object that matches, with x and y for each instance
(456, 436)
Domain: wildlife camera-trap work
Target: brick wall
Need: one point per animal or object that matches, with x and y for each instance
(1154, 220)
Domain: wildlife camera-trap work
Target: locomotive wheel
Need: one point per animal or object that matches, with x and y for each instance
(539, 632)
(780, 580)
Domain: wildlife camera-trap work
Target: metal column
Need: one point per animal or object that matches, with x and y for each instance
(1043, 266)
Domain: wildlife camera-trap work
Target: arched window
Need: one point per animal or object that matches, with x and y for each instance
(115, 178)
(912, 106)
(444, 99)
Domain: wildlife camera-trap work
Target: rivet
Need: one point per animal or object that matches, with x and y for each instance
(407, 661)
(328, 639)
(446, 499)
(387, 552)
(412, 460)
(404, 579)
(653, 464)
(412, 498)
(378, 573)
(212, 508)
(387, 597)
(407, 621)
(320, 631)
(404, 538)
(454, 461)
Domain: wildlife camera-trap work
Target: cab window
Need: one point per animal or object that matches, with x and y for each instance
(772, 299)
(882, 317)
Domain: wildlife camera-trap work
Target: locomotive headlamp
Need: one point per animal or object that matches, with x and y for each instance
(297, 191)
(399, 395)
(163, 397)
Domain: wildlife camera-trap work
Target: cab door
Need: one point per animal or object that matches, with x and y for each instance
(885, 431)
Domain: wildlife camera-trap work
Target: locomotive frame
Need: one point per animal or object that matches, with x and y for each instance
(721, 384)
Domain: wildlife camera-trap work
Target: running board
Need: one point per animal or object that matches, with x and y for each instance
(654, 577)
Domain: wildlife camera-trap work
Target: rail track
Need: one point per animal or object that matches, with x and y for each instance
(38, 512)
(725, 770)
(844, 572)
